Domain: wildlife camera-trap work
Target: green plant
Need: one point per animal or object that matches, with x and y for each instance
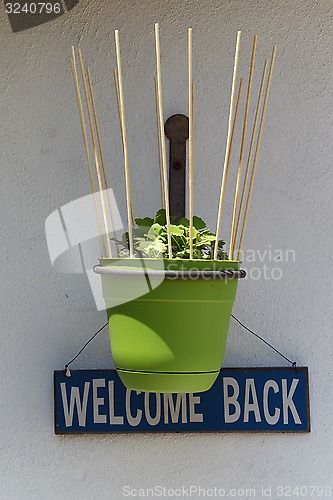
(150, 239)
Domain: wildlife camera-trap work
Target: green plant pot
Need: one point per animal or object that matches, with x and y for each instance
(173, 338)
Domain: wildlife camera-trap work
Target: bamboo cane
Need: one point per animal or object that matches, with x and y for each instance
(240, 164)
(121, 130)
(93, 139)
(99, 141)
(162, 137)
(130, 216)
(86, 147)
(254, 131)
(257, 150)
(233, 130)
(227, 152)
(159, 147)
(118, 102)
(190, 146)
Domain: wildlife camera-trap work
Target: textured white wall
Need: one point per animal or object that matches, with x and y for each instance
(46, 317)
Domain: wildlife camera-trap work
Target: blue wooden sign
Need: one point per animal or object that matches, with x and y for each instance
(241, 399)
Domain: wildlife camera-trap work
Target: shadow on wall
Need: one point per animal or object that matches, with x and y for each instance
(24, 15)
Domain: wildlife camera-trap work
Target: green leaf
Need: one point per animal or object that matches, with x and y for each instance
(184, 222)
(198, 223)
(125, 240)
(154, 230)
(140, 231)
(176, 230)
(222, 255)
(160, 217)
(194, 233)
(116, 241)
(154, 249)
(146, 222)
(208, 238)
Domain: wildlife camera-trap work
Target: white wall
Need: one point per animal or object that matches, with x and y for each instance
(46, 317)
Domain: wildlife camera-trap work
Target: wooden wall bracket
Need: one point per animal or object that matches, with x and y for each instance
(177, 130)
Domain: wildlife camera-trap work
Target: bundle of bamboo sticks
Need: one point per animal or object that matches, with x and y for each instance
(244, 184)
(239, 220)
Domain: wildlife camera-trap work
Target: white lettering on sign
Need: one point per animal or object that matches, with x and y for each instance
(195, 417)
(232, 406)
(231, 400)
(270, 419)
(251, 393)
(133, 421)
(97, 402)
(273, 403)
(288, 401)
(75, 399)
(113, 419)
(153, 420)
(135, 408)
(175, 410)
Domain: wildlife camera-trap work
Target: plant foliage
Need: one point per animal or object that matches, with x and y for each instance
(151, 240)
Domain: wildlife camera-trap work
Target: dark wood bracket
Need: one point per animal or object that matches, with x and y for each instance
(177, 130)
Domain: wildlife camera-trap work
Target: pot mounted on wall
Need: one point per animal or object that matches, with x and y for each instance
(173, 338)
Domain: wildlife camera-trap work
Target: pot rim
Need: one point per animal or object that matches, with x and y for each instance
(171, 274)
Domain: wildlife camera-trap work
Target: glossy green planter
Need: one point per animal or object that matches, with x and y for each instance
(173, 338)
